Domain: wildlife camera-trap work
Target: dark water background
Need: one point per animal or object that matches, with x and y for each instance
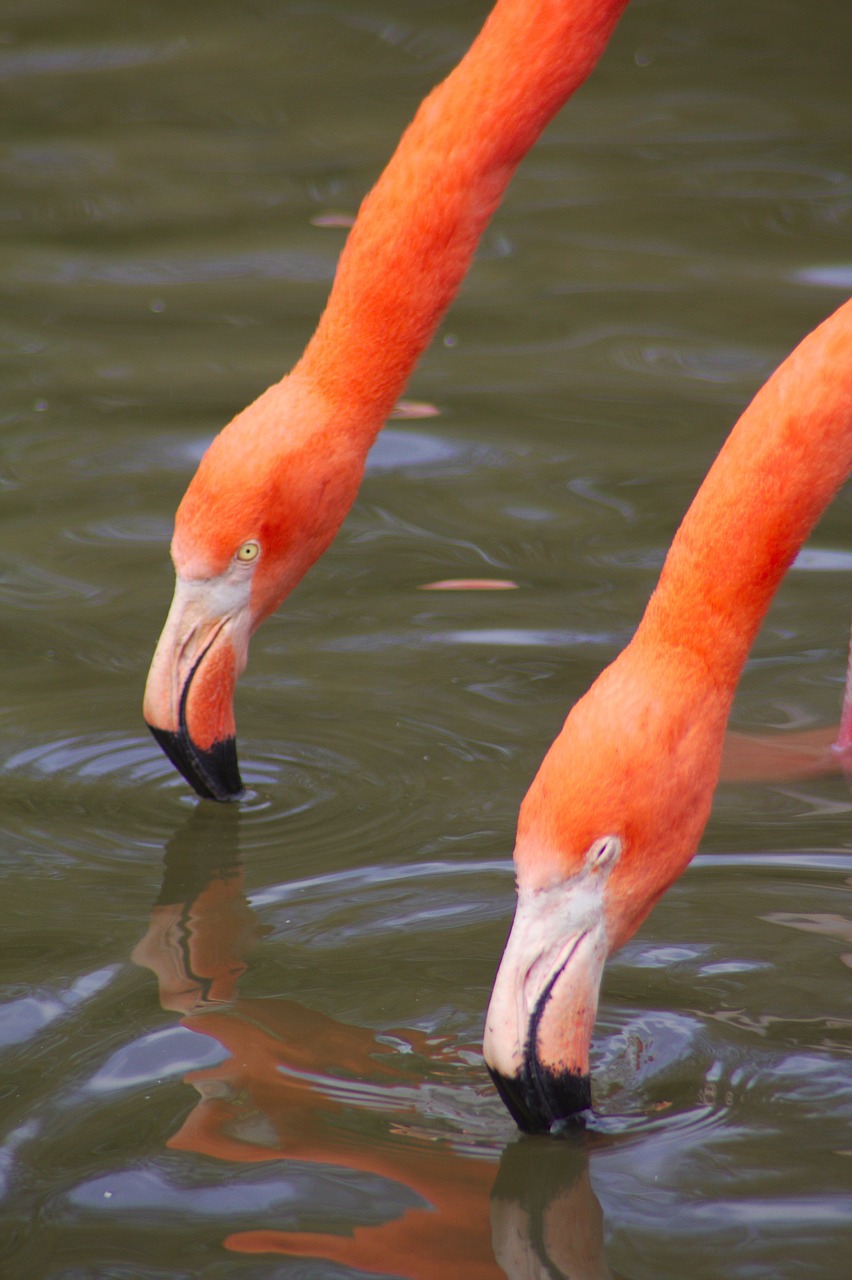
(163, 171)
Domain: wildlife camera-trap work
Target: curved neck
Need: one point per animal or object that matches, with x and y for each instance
(780, 467)
(638, 755)
(418, 228)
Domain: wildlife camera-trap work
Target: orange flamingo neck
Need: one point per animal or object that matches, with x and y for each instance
(418, 228)
(777, 472)
(287, 468)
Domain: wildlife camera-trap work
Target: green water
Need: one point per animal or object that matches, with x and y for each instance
(681, 225)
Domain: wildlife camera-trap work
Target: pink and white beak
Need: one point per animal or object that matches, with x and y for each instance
(539, 1025)
(189, 696)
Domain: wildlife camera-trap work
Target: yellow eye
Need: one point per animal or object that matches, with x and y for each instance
(248, 551)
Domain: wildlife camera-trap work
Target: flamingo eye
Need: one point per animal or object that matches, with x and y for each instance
(604, 852)
(248, 551)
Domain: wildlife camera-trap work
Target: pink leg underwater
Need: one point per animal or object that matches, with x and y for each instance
(843, 741)
(785, 757)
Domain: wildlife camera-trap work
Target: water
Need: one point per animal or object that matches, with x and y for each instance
(167, 177)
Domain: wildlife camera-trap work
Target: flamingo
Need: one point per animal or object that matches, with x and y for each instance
(275, 485)
(618, 806)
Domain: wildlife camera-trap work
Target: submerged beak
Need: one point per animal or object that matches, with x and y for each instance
(188, 703)
(539, 1024)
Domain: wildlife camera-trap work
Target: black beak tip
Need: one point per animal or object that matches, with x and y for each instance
(214, 773)
(545, 1101)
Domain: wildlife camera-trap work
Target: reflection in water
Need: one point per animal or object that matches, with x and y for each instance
(545, 1218)
(292, 1080)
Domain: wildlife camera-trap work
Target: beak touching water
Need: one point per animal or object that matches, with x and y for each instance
(188, 703)
(539, 1024)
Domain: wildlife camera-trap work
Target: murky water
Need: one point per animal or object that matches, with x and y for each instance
(230, 1040)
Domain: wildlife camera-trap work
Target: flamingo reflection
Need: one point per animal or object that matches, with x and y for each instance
(293, 1079)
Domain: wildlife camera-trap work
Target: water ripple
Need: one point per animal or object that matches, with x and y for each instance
(335, 911)
(152, 1058)
(27, 585)
(696, 361)
(165, 1191)
(188, 268)
(76, 59)
(94, 756)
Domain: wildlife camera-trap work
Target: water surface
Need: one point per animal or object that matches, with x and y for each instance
(232, 1039)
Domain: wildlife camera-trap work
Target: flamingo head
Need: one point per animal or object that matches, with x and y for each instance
(612, 818)
(267, 499)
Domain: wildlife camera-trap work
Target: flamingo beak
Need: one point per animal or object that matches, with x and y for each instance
(188, 703)
(539, 1024)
